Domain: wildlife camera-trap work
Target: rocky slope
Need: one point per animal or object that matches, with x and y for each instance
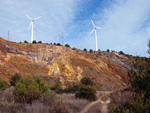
(61, 64)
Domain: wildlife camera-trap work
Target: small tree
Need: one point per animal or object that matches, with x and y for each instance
(25, 41)
(3, 85)
(40, 42)
(29, 89)
(121, 52)
(34, 42)
(67, 45)
(86, 81)
(85, 49)
(90, 50)
(108, 50)
(71, 89)
(57, 88)
(74, 48)
(14, 79)
(58, 44)
(86, 92)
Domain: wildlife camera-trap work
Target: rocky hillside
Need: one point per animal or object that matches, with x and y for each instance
(61, 64)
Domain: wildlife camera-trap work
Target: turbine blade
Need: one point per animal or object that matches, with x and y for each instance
(91, 32)
(99, 28)
(30, 24)
(29, 17)
(37, 18)
(93, 23)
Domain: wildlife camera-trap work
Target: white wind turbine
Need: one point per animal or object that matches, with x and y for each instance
(31, 24)
(95, 33)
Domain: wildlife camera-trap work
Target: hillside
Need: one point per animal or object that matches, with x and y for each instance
(61, 64)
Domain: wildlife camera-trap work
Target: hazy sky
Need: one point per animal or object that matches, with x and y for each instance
(126, 23)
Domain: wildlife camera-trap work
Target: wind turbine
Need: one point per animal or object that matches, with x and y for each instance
(95, 33)
(31, 25)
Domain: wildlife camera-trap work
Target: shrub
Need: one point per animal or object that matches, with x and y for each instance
(108, 50)
(57, 88)
(25, 41)
(14, 79)
(71, 89)
(86, 92)
(90, 50)
(137, 105)
(74, 48)
(3, 85)
(121, 52)
(34, 42)
(40, 42)
(49, 97)
(29, 89)
(58, 44)
(86, 81)
(113, 108)
(67, 45)
(85, 49)
(54, 43)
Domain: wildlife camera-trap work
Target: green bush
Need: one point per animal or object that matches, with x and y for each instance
(40, 42)
(71, 89)
(58, 44)
(25, 41)
(67, 45)
(74, 48)
(90, 50)
(113, 109)
(57, 88)
(86, 81)
(34, 42)
(3, 85)
(137, 105)
(108, 50)
(121, 52)
(86, 92)
(14, 79)
(29, 89)
(85, 49)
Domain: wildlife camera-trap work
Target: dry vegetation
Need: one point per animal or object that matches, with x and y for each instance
(121, 97)
(64, 103)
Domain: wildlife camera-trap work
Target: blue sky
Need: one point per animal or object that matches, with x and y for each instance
(126, 23)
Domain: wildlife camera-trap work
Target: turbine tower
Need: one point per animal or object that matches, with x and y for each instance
(95, 33)
(31, 25)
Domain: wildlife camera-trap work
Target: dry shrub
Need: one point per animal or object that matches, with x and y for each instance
(60, 107)
(49, 97)
(75, 104)
(121, 97)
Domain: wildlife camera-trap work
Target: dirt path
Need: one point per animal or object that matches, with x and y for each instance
(104, 107)
(104, 104)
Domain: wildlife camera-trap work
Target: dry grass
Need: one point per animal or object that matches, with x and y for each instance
(65, 103)
(75, 104)
(121, 97)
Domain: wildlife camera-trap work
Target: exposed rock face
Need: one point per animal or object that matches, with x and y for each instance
(63, 65)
